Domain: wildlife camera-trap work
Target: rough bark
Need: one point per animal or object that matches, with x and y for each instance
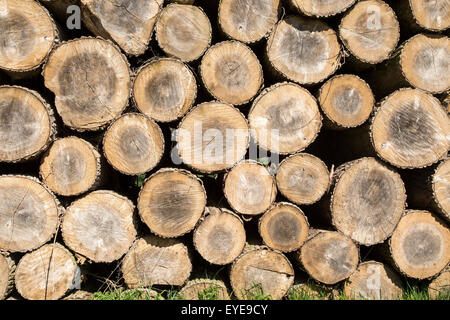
(7, 271)
(440, 286)
(321, 8)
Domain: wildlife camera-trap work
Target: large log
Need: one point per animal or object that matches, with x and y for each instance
(302, 178)
(231, 72)
(204, 289)
(410, 129)
(220, 236)
(321, 8)
(212, 137)
(249, 188)
(133, 144)
(367, 201)
(183, 31)
(329, 257)
(431, 15)
(171, 202)
(164, 89)
(156, 261)
(128, 23)
(375, 281)
(248, 21)
(29, 35)
(419, 245)
(370, 31)
(319, 55)
(99, 226)
(47, 273)
(285, 118)
(7, 270)
(90, 78)
(261, 271)
(284, 227)
(71, 167)
(29, 213)
(27, 124)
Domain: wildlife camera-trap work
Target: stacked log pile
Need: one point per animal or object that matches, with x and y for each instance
(164, 140)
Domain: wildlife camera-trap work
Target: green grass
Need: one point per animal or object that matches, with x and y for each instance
(255, 292)
(210, 293)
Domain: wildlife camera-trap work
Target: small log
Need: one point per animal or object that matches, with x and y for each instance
(133, 144)
(220, 236)
(321, 8)
(172, 202)
(212, 137)
(7, 271)
(27, 124)
(431, 15)
(284, 227)
(368, 201)
(248, 21)
(329, 257)
(346, 100)
(204, 289)
(155, 261)
(29, 213)
(47, 273)
(249, 188)
(71, 167)
(303, 178)
(128, 23)
(320, 52)
(29, 35)
(164, 89)
(260, 269)
(441, 188)
(410, 129)
(99, 226)
(90, 78)
(285, 118)
(231, 72)
(370, 31)
(419, 245)
(183, 31)
(375, 281)
(424, 62)
(440, 286)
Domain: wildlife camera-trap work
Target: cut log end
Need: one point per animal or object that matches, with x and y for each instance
(419, 245)
(321, 8)
(431, 15)
(28, 213)
(249, 188)
(346, 100)
(133, 144)
(370, 30)
(248, 21)
(368, 201)
(29, 36)
(441, 187)
(204, 289)
(375, 281)
(284, 227)
(220, 237)
(156, 261)
(329, 257)
(7, 269)
(47, 273)
(90, 78)
(285, 118)
(71, 167)
(424, 62)
(99, 226)
(261, 269)
(410, 129)
(183, 31)
(26, 124)
(320, 55)
(164, 89)
(172, 202)
(231, 72)
(303, 178)
(130, 25)
(213, 137)
(440, 286)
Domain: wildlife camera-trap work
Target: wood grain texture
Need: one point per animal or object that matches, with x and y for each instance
(321, 8)
(441, 188)
(431, 15)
